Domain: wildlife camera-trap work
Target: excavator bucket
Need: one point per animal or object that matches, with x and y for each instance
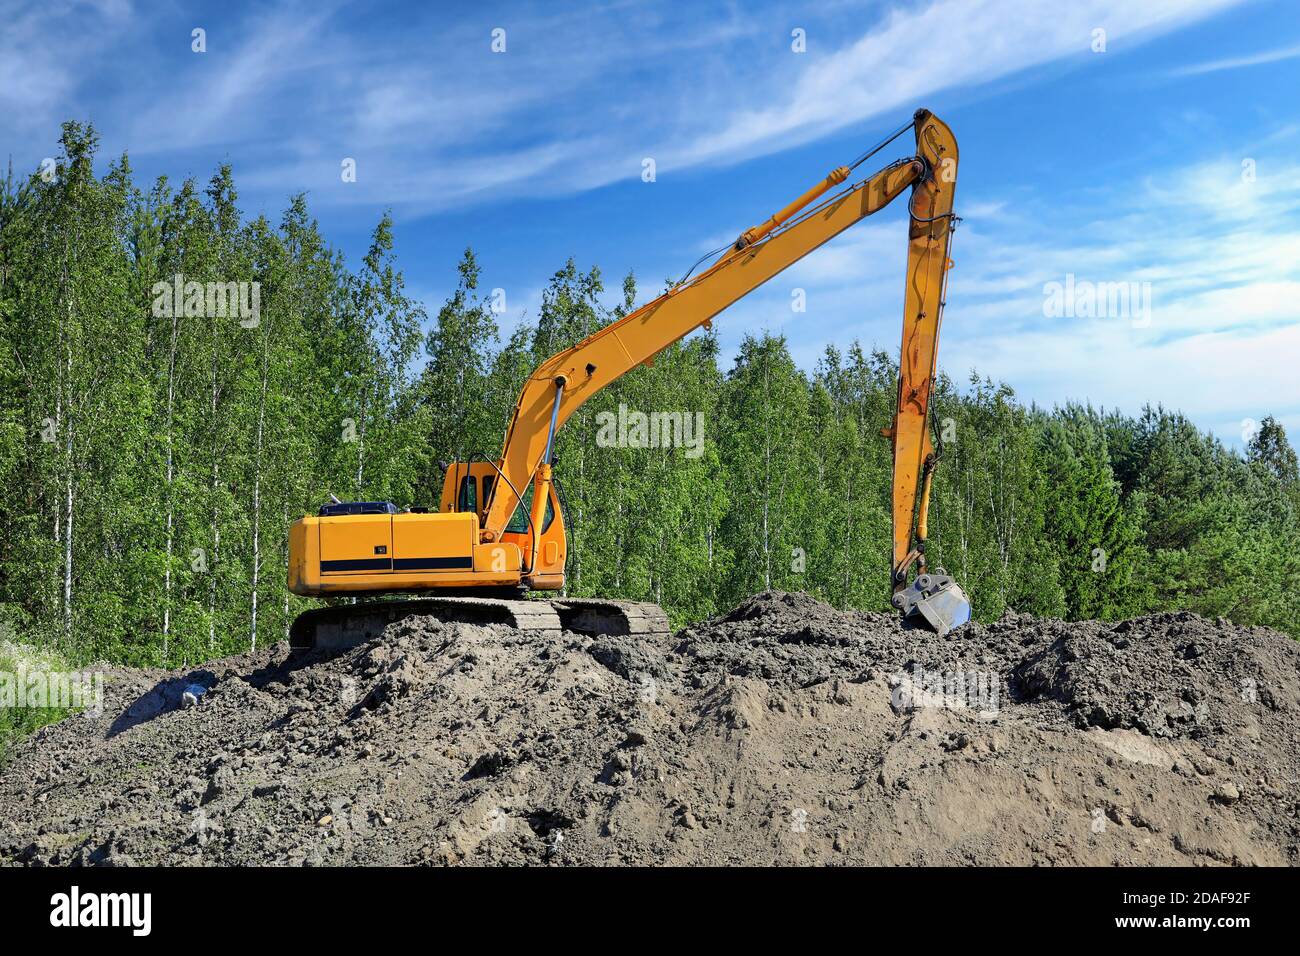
(935, 601)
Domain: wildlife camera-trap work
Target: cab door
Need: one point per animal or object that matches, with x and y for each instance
(551, 544)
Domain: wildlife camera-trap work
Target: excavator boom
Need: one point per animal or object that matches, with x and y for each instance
(565, 381)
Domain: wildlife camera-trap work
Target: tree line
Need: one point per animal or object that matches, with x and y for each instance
(154, 448)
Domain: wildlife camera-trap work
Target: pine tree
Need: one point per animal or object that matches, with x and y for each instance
(1269, 449)
(1094, 535)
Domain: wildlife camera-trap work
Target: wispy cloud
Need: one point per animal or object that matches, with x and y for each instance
(913, 53)
(1238, 62)
(437, 120)
(46, 51)
(438, 123)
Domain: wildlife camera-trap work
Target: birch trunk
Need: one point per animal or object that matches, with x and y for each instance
(171, 516)
(216, 481)
(257, 499)
(69, 478)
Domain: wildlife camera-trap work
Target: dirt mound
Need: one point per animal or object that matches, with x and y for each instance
(1172, 675)
(782, 732)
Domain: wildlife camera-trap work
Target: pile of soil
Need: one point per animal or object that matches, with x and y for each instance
(784, 732)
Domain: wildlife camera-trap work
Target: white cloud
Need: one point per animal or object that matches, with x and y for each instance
(576, 102)
(46, 50)
(1246, 188)
(1236, 63)
(436, 121)
(916, 52)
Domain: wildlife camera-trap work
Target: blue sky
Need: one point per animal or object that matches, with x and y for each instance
(1168, 160)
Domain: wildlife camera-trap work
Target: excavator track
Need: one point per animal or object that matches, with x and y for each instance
(338, 628)
(596, 617)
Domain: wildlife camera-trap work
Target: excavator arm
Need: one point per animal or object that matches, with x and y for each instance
(561, 385)
(934, 597)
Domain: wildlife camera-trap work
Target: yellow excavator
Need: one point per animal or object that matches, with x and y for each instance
(498, 532)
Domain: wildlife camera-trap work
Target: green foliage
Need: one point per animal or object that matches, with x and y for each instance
(1093, 533)
(764, 445)
(151, 464)
(17, 661)
(1270, 449)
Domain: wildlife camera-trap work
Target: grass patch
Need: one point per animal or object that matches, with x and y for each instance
(17, 722)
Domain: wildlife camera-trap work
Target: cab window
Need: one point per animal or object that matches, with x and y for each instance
(468, 500)
(519, 520)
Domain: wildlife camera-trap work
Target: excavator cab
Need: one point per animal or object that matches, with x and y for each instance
(467, 488)
(373, 547)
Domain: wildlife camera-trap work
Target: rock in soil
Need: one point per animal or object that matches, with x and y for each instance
(783, 732)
